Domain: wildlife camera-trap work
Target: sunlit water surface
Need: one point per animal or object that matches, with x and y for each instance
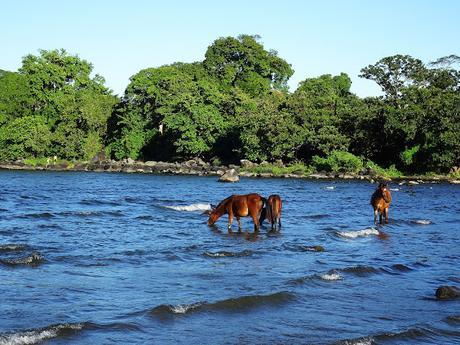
(99, 258)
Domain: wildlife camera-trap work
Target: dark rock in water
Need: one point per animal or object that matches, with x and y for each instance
(447, 292)
(314, 248)
(229, 176)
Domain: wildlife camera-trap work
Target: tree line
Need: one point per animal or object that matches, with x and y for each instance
(234, 104)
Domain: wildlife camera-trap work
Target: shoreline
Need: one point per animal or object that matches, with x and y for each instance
(201, 168)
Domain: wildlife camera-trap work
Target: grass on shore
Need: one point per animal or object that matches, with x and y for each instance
(276, 170)
(48, 162)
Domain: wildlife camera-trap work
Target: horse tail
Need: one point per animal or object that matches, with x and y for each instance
(264, 201)
(263, 210)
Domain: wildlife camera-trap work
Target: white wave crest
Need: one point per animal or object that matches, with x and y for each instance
(422, 221)
(364, 341)
(191, 208)
(331, 276)
(330, 187)
(218, 254)
(183, 308)
(36, 336)
(11, 247)
(394, 189)
(358, 233)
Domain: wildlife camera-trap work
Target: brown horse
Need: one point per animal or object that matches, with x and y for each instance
(380, 201)
(239, 206)
(272, 212)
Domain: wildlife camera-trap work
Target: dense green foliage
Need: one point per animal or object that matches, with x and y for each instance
(233, 105)
(53, 107)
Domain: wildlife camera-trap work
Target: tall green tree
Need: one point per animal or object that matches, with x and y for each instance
(179, 106)
(318, 106)
(74, 105)
(15, 98)
(243, 62)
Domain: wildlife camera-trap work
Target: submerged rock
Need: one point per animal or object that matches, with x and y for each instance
(229, 176)
(447, 292)
(314, 248)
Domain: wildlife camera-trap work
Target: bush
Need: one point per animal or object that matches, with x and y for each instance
(24, 137)
(407, 156)
(338, 161)
(296, 168)
(390, 172)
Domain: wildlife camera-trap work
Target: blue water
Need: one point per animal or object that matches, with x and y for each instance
(100, 258)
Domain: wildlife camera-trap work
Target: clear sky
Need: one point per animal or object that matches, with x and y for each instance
(316, 37)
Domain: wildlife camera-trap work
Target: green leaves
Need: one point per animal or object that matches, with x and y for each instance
(55, 92)
(235, 104)
(24, 137)
(243, 62)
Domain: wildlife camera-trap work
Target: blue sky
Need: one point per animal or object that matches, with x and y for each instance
(122, 37)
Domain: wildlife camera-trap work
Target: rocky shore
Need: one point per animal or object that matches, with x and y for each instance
(198, 167)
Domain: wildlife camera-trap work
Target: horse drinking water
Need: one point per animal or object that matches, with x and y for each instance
(239, 206)
(272, 212)
(380, 201)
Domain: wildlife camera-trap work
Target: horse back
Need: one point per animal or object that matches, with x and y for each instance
(243, 205)
(274, 202)
(254, 202)
(273, 208)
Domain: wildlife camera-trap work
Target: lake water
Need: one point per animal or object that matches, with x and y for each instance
(100, 258)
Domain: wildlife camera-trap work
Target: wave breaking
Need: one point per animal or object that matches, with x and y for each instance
(40, 335)
(226, 254)
(5, 248)
(358, 233)
(190, 208)
(237, 304)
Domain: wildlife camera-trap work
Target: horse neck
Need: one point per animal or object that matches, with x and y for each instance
(386, 196)
(221, 209)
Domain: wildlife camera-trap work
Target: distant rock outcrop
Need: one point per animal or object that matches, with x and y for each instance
(229, 176)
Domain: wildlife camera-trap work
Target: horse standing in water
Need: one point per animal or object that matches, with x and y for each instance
(272, 212)
(239, 206)
(380, 201)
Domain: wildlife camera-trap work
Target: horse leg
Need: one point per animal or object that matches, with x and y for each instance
(279, 223)
(255, 219)
(380, 217)
(263, 215)
(230, 221)
(275, 223)
(239, 223)
(386, 215)
(375, 216)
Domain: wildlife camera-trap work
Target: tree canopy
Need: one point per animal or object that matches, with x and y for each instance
(234, 104)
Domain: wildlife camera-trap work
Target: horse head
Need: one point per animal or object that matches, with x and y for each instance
(213, 215)
(383, 188)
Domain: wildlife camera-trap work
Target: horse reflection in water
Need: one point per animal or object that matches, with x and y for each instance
(380, 201)
(239, 206)
(272, 212)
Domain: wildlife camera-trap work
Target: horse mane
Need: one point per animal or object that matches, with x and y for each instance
(224, 202)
